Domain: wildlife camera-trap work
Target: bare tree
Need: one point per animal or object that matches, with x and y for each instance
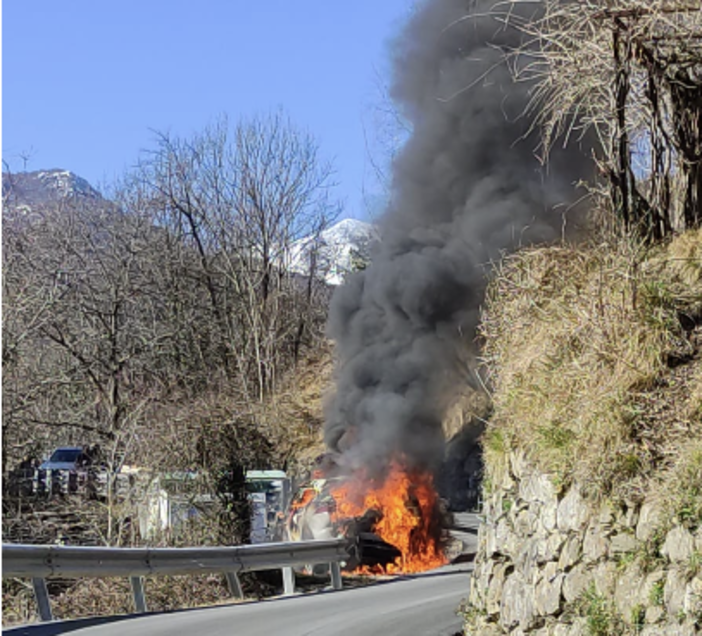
(631, 71)
(80, 332)
(241, 201)
(185, 295)
(29, 298)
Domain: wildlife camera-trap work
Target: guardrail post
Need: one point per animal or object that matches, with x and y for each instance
(41, 594)
(335, 575)
(288, 581)
(138, 593)
(234, 584)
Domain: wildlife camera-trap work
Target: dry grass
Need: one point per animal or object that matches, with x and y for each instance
(680, 487)
(112, 596)
(594, 356)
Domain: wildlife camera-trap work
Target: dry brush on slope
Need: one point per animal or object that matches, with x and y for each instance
(595, 354)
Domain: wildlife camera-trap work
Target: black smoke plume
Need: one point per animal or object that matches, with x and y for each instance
(466, 187)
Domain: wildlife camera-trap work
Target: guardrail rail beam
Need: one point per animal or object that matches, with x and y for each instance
(38, 562)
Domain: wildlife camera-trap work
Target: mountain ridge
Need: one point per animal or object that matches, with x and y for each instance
(42, 187)
(338, 250)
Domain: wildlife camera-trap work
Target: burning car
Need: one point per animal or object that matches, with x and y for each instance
(392, 526)
(314, 514)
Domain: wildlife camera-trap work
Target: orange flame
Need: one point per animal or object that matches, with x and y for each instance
(408, 503)
(307, 496)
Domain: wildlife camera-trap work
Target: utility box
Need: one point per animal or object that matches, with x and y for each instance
(269, 495)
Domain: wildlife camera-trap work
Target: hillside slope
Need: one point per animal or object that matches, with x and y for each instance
(593, 477)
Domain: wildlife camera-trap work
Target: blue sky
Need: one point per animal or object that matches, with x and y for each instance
(84, 81)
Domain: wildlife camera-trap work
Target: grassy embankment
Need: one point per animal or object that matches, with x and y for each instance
(595, 359)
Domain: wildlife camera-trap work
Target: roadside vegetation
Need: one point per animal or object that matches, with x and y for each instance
(594, 357)
(167, 327)
(170, 329)
(160, 322)
(593, 350)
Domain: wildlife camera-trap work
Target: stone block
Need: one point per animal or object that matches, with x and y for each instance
(692, 603)
(654, 613)
(537, 487)
(623, 542)
(571, 552)
(506, 542)
(489, 539)
(627, 591)
(605, 576)
(578, 628)
(650, 518)
(576, 582)
(480, 581)
(550, 549)
(517, 608)
(595, 543)
(475, 598)
(674, 591)
(549, 515)
(573, 512)
(547, 597)
(526, 523)
(606, 514)
(679, 545)
(493, 595)
(526, 561)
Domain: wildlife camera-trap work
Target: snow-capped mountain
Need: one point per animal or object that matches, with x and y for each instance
(41, 187)
(339, 250)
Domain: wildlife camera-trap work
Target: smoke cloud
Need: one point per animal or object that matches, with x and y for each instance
(466, 187)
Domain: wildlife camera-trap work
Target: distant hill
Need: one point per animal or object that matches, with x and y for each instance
(41, 187)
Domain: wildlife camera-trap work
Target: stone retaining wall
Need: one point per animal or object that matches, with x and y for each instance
(551, 562)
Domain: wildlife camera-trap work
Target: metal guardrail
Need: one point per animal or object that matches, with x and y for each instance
(39, 562)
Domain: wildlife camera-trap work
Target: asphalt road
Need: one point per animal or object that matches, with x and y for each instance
(419, 605)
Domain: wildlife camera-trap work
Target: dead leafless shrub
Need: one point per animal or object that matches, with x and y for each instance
(18, 604)
(630, 72)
